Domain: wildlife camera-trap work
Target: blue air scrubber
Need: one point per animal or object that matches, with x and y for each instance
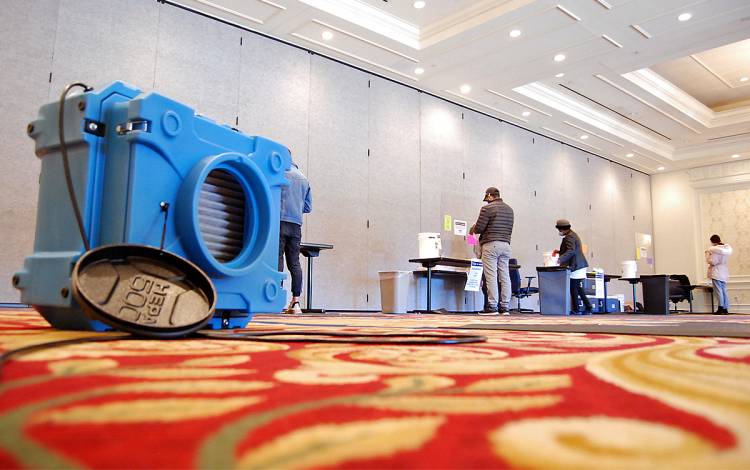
(134, 155)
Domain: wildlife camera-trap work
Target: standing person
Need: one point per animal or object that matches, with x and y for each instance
(571, 256)
(296, 199)
(717, 257)
(495, 226)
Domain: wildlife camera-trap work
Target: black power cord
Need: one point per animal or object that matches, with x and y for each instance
(66, 163)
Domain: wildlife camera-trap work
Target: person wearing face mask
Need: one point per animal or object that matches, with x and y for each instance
(571, 256)
(718, 271)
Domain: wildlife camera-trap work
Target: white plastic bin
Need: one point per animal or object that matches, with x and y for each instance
(394, 291)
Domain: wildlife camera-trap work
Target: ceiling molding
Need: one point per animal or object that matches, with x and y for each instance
(711, 71)
(365, 40)
(590, 132)
(497, 93)
(484, 105)
(371, 18)
(554, 99)
(279, 8)
(666, 91)
(480, 12)
(353, 56)
(644, 102)
(674, 96)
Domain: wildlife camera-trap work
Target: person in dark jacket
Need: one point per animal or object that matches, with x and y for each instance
(571, 256)
(495, 226)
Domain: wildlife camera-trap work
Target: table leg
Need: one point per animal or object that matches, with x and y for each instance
(711, 293)
(635, 301)
(309, 282)
(429, 288)
(606, 310)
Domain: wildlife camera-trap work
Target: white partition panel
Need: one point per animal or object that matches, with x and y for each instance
(198, 63)
(601, 244)
(547, 202)
(483, 161)
(275, 93)
(393, 203)
(623, 224)
(577, 194)
(337, 170)
(26, 48)
(519, 176)
(441, 171)
(643, 218)
(100, 41)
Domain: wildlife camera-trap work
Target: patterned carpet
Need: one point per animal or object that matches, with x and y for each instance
(520, 400)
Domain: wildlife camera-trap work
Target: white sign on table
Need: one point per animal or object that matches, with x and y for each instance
(474, 277)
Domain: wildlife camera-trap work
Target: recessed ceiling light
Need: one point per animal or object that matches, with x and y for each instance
(419, 70)
(419, 4)
(584, 137)
(560, 75)
(526, 114)
(559, 57)
(685, 17)
(661, 168)
(465, 88)
(515, 33)
(743, 79)
(736, 155)
(327, 35)
(628, 155)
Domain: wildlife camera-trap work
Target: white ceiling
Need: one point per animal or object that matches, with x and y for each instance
(713, 77)
(609, 92)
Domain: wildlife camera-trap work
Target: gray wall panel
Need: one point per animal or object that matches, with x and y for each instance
(324, 111)
(519, 176)
(442, 167)
(393, 203)
(601, 241)
(338, 170)
(27, 35)
(198, 63)
(483, 161)
(99, 41)
(275, 93)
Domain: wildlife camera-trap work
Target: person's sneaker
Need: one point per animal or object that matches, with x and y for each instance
(294, 309)
(503, 311)
(488, 312)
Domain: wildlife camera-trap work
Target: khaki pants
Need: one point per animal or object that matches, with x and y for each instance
(495, 257)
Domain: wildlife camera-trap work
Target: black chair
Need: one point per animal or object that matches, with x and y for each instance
(680, 290)
(515, 286)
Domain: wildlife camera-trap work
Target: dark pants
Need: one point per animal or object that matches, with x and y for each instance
(576, 292)
(290, 237)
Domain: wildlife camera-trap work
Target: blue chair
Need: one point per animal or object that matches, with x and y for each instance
(515, 285)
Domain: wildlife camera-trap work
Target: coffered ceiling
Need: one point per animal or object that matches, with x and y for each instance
(655, 85)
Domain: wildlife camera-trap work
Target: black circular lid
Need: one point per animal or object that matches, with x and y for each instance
(143, 290)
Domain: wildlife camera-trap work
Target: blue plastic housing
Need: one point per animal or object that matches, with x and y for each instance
(129, 153)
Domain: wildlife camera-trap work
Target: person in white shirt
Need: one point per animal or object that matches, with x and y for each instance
(718, 271)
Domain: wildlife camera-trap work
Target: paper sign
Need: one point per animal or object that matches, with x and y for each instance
(459, 227)
(474, 277)
(447, 223)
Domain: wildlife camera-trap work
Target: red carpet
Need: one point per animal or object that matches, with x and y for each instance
(522, 400)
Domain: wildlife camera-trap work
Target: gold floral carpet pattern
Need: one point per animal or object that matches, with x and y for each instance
(520, 400)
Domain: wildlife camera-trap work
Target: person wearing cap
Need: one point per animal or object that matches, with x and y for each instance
(296, 200)
(571, 256)
(495, 226)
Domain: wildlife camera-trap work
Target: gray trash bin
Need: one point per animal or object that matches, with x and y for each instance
(554, 290)
(394, 291)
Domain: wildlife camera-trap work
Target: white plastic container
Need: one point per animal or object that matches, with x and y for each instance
(429, 245)
(394, 291)
(550, 259)
(629, 269)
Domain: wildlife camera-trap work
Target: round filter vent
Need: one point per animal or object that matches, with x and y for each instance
(221, 215)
